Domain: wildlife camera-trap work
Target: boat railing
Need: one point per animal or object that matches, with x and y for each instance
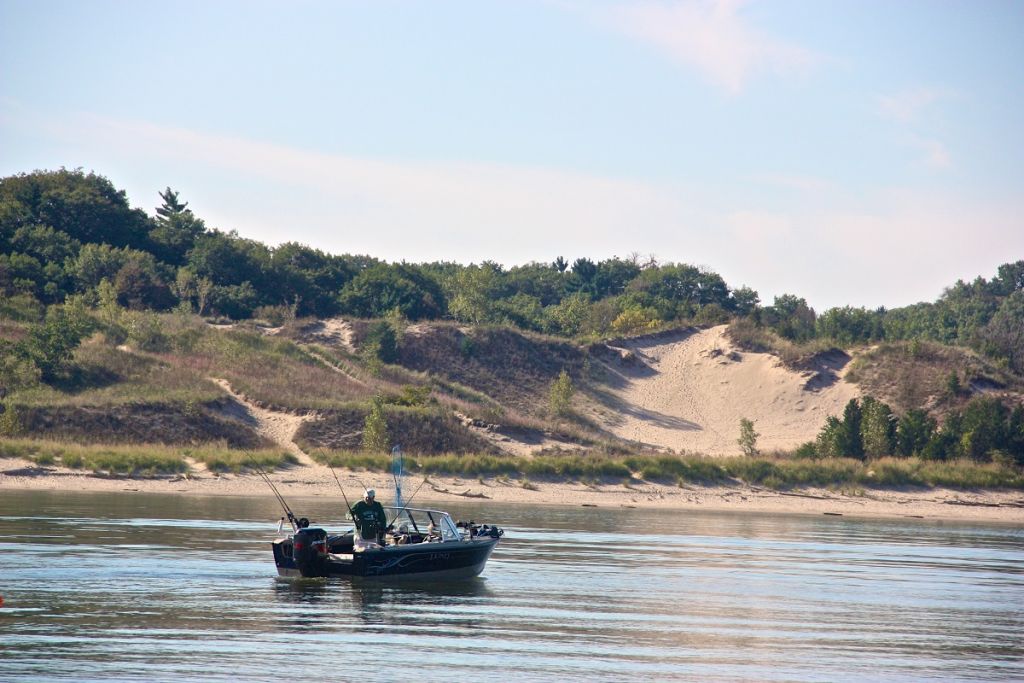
(437, 521)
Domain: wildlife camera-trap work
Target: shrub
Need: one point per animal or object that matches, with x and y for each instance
(50, 346)
(754, 471)
(145, 331)
(748, 438)
(10, 422)
(381, 342)
(22, 308)
(375, 429)
(17, 372)
(560, 394)
(805, 450)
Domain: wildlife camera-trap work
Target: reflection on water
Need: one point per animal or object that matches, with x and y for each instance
(100, 587)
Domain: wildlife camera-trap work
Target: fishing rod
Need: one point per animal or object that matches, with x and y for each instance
(277, 494)
(337, 481)
(399, 513)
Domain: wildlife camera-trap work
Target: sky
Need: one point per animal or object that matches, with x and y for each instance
(852, 152)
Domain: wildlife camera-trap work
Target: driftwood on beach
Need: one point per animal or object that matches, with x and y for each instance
(465, 494)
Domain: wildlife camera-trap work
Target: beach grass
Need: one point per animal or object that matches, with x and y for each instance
(771, 471)
(140, 460)
(778, 472)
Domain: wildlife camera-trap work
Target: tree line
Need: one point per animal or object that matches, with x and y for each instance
(68, 232)
(986, 430)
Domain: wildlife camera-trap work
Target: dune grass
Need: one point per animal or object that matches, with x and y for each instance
(104, 375)
(274, 372)
(773, 472)
(140, 460)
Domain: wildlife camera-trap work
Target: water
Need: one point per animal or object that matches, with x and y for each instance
(162, 588)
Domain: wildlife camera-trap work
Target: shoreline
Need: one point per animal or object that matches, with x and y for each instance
(998, 506)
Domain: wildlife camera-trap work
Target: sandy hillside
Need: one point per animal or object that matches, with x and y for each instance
(689, 392)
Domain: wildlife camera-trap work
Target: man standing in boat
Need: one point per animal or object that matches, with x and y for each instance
(370, 519)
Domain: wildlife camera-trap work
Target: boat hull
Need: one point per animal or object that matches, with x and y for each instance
(428, 561)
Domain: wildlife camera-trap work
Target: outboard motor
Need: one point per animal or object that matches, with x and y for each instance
(309, 549)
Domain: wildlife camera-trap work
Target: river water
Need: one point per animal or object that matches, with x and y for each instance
(162, 588)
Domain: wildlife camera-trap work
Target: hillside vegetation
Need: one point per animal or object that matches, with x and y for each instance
(121, 328)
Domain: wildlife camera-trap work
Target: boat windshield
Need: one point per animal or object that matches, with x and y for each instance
(425, 521)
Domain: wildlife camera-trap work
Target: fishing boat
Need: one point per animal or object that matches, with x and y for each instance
(425, 544)
(417, 543)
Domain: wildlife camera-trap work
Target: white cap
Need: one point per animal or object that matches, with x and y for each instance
(370, 493)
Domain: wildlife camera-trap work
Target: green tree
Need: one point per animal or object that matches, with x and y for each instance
(1003, 336)
(744, 301)
(832, 438)
(851, 444)
(945, 442)
(227, 259)
(175, 230)
(584, 277)
(748, 438)
(613, 276)
(44, 243)
(877, 428)
(791, 317)
(21, 274)
(984, 428)
(635, 319)
(86, 207)
(848, 326)
(567, 317)
(51, 345)
(381, 342)
(235, 301)
(540, 280)
(560, 394)
(472, 291)
(522, 310)
(312, 276)
(375, 428)
(914, 431)
(711, 314)
(381, 288)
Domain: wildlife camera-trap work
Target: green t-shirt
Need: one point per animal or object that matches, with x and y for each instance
(369, 518)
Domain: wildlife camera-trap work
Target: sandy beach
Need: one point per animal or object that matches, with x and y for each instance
(937, 504)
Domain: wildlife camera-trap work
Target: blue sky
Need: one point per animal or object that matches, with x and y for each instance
(858, 153)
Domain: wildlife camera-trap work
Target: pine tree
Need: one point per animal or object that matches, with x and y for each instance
(171, 205)
(850, 444)
(176, 228)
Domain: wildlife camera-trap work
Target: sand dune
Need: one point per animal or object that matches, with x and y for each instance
(688, 392)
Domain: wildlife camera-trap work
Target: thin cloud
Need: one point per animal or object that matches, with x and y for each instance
(395, 209)
(712, 37)
(911, 109)
(908, 105)
(935, 154)
(800, 183)
(901, 248)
